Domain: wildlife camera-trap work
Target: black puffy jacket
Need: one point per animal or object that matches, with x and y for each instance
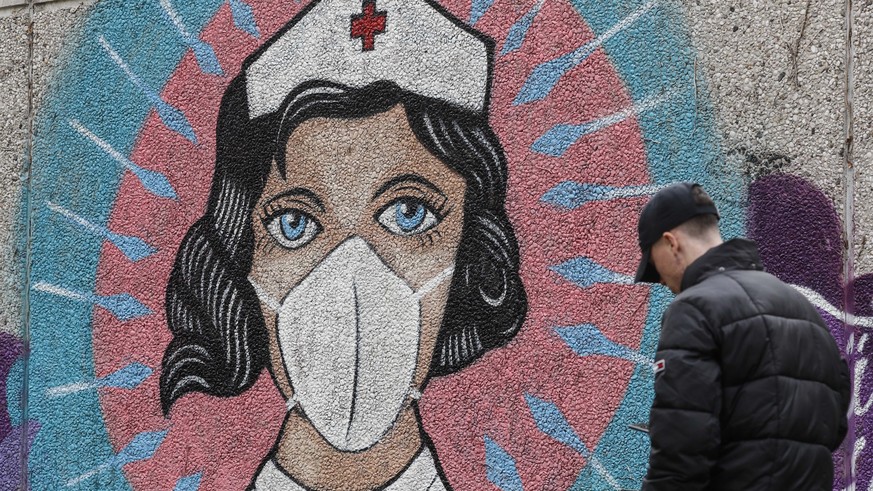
(752, 393)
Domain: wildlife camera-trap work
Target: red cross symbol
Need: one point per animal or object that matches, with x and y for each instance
(367, 24)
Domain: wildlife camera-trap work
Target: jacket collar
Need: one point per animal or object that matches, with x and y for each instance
(736, 254)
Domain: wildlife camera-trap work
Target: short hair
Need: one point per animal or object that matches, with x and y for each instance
(701, 225)
(219, 343)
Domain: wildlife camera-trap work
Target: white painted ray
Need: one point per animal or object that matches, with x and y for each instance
(643, 106)
(117, 59)
(59, 291)
(60, 210)
(175, 19)
(69, 389)
(820, 302)
(604, 473)
(103, 145)
(615, 29)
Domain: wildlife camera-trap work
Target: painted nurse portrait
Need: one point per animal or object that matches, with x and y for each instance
(354, 244)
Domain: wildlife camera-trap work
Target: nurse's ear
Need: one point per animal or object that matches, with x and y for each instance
(487, 302)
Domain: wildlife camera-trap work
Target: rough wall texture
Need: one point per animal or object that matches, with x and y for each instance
(13, 83)
(863, 130)
(179, 278)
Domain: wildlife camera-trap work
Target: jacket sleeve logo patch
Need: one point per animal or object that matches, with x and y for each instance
(659, 366)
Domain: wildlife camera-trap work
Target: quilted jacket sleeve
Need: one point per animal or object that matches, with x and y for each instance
(684, 422)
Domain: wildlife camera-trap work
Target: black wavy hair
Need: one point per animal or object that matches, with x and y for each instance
(219, 344)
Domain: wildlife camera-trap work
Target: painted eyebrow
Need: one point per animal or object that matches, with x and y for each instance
(407, 178)
(298, 192)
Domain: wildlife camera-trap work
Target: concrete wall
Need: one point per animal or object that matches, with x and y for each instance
(543, 357)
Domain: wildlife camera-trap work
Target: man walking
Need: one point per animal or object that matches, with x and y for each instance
(750, 390)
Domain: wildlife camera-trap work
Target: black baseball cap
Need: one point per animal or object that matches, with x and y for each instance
(668, 208)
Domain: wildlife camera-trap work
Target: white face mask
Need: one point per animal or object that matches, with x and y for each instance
(349, 337)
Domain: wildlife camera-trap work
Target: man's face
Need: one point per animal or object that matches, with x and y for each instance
(668, 262)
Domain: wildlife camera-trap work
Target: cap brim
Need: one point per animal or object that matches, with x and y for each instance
(646, 272)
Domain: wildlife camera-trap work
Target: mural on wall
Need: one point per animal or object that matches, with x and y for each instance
(372, 230)
(233, 199)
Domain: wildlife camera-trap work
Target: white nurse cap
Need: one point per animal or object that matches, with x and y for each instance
(412, 43)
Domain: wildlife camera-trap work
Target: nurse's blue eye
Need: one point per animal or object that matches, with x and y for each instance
(407, 216)
(293, 228)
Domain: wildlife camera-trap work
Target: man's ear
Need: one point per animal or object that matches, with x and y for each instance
(673, 242)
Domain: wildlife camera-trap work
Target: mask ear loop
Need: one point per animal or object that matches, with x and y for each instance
(268, 300)
(434, 282)
(290, 404)
(265, 297)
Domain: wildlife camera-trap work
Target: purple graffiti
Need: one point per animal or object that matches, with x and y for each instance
(10, 349)
(798, 233)
(800, 240)
(11, 437)
(10, 455)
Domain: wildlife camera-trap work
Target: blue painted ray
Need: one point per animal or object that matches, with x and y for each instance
(128, 377)
(123, 306)
(518, 31)
(203, 52)
(571, 194)
(545, 76)
(154, 182)
(585, 272)
(142, 447)
(170, 116)
(500, 467)
(587, 340)
(188, 483)
(133, 248)
(244, 17)
(478, 9)
(551, 421)
(561, 137)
